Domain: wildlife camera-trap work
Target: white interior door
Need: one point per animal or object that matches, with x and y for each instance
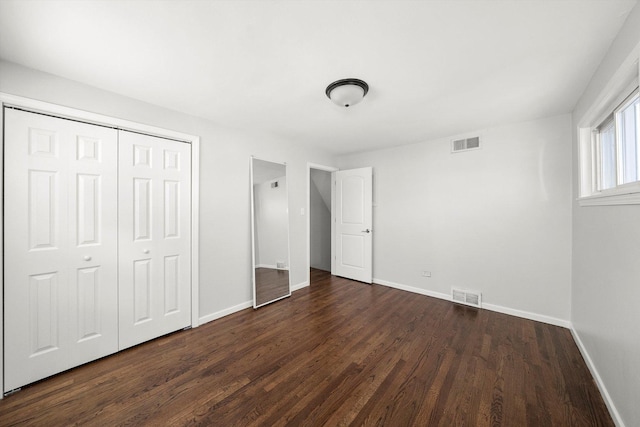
(155, 237)
(353, 224)
(60, 288)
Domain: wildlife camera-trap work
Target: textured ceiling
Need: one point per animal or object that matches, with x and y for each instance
(435, 68)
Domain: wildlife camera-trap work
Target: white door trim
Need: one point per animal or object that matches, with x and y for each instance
(327, 169)
(99, 119)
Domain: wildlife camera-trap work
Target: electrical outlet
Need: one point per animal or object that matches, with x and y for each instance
(426, 273)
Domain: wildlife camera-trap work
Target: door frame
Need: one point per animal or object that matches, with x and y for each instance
(330, 169)
(56, 110)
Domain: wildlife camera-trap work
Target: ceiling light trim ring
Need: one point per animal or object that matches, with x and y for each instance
(343, 82)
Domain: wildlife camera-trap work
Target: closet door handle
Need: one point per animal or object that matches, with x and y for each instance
(87, 258)
(145, 251)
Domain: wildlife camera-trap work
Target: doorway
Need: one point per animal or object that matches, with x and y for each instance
(319, 207)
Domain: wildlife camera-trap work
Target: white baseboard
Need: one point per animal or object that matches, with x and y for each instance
(528, 315)
(513, 312)
(412, 289)
(299, 286)
(271, 266)
(227, 311)
(492, 307)
(265, 266)
(596, 376)
(242, 306)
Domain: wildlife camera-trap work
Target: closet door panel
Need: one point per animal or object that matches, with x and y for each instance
(36, 318)
(56, 215)
(93, 254)
(154, 246)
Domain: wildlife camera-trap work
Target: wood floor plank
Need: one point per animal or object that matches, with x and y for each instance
(336, 353)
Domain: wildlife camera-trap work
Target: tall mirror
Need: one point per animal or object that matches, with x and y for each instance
(270, 231)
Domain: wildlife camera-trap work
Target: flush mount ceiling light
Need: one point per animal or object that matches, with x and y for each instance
(347, 92)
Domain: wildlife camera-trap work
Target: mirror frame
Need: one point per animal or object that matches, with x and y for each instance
(254, 231)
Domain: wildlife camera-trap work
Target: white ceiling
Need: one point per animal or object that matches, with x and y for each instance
(435, 68)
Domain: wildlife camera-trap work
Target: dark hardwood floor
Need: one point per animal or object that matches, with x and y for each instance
(336, 353)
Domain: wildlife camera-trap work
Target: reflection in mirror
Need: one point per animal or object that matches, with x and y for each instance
(270, 232)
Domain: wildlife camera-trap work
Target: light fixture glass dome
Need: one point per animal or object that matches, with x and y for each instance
(347, 92)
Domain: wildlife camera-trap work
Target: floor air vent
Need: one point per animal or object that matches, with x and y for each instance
(465, 144)
(471, 298)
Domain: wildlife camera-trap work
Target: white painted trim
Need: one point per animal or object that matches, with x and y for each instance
(89, 117)
(227, 311)
(2, 249)
(195, 232)
(412, 289)
(492, 307)
(308, 211)
(333, 224)
(253, 231)
(247, 304)
(607, 98)
(99, 119)
(274, 300)
(271, 266)
(528, 315)
(632, 198)
(624, 80)
(596, 376)
(621, 194)
(587, 166)
(299, 286)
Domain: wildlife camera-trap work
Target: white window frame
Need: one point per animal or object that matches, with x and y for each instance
(613, 120)
(631, 99)
(615, 96)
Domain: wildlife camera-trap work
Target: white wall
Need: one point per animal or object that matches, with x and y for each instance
(495, 220)
(272, 222)
(320, 220)
(225, 239)
(606, 264)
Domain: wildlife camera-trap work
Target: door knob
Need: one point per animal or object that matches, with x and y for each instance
(87, 258)
(145, 251)
(366, 231)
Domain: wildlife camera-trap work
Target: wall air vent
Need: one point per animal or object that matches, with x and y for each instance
(471, 298)
(465, 144)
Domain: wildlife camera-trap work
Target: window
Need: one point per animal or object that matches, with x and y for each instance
(608, 134)
(628, 127)
(606, 147)
(616, 140)
(612, 168)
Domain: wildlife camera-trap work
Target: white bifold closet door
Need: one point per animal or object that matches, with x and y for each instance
(61, 284)
(97, 242)
(155, 237)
